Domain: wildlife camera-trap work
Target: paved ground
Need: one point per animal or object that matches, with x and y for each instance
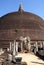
(31, 59)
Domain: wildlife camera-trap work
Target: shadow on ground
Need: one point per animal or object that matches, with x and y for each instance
(41, 57)
(37, 62)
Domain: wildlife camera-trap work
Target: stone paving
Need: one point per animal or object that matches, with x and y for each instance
(31, 59)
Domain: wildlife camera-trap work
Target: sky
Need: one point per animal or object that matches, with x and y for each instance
(33, 6)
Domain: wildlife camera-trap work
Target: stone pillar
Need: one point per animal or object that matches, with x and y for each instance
(14, 52)
(43, 44)
(21, 38)
(29, 45)
(40, 45)
(21, 46)
(10, 46)
(36, 45)
(16, 47)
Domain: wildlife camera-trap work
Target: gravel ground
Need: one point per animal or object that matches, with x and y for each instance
(31, 59)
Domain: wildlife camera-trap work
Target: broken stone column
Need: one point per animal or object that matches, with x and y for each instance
(21, 46)
(10, 46)
(14, 51)
(21, 38)
(36, 45)
(43, 44)
(29, 45)
(16, 47)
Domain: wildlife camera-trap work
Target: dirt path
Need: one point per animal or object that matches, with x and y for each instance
(31, 59)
